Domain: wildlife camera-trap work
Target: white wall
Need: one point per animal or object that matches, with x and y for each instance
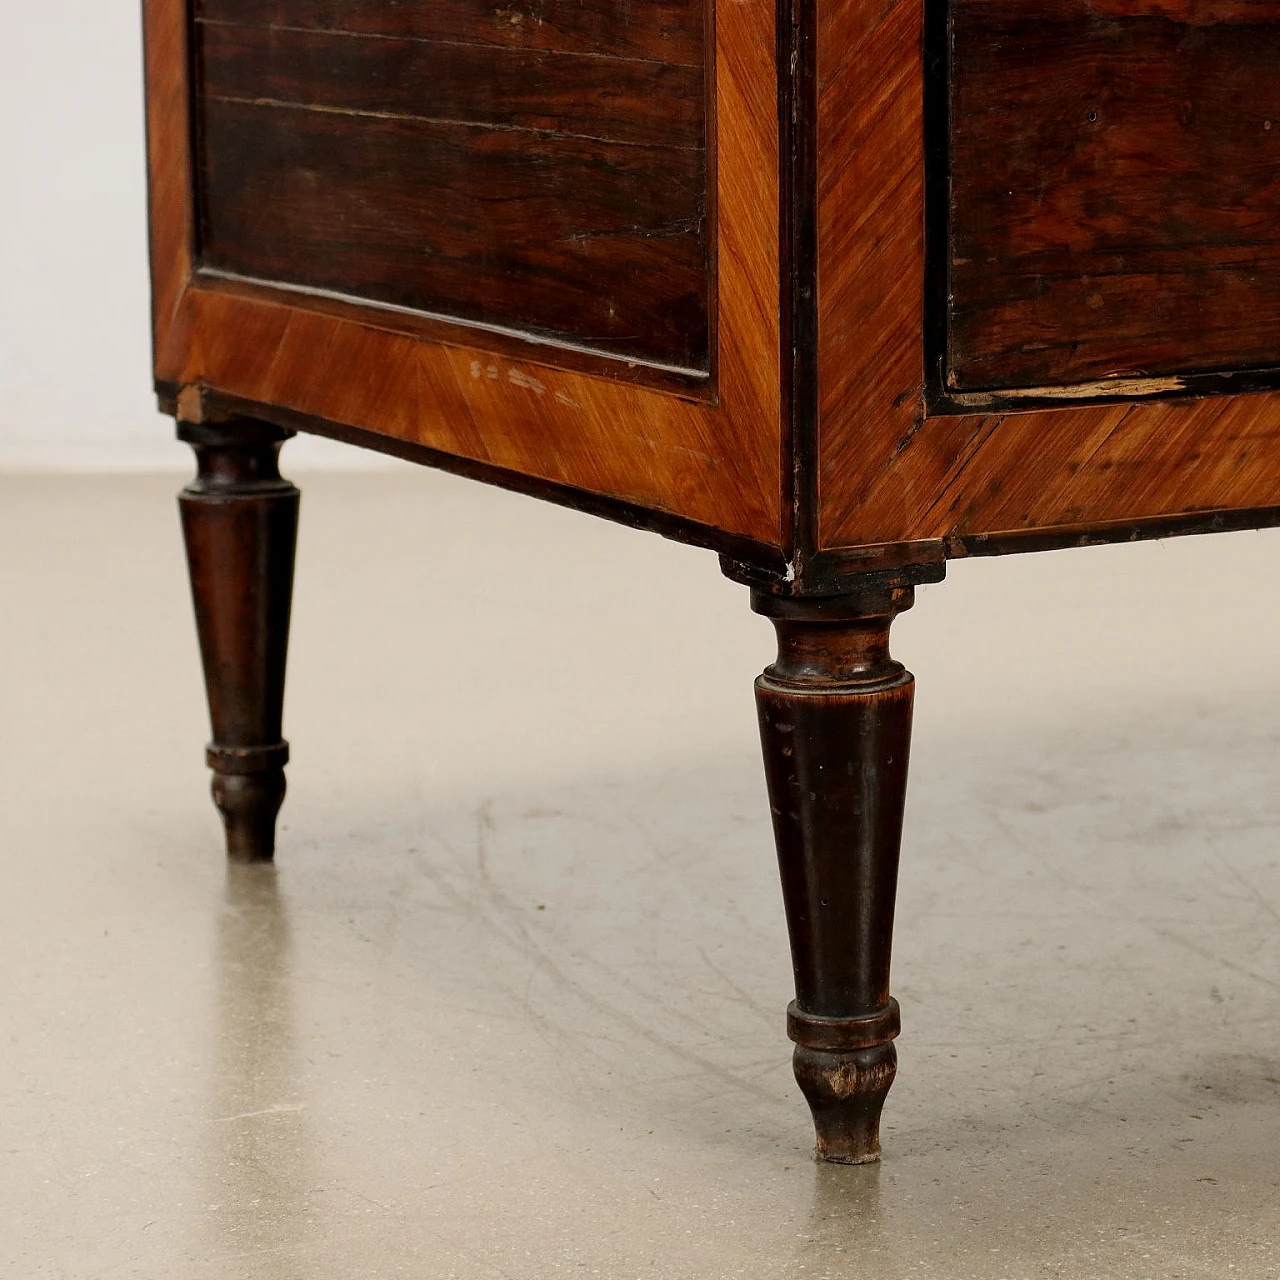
(75, 386)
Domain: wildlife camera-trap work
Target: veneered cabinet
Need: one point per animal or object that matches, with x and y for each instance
(838, 288)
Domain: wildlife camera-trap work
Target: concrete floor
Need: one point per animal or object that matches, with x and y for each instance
(512, 1004)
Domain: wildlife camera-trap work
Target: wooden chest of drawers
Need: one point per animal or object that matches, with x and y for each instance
(839, 289)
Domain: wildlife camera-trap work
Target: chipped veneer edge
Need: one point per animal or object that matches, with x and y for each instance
(1077, 391)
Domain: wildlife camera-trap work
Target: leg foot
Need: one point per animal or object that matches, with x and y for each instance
(835, 721)
(249, 802)
(845, 1087)
(239, 521)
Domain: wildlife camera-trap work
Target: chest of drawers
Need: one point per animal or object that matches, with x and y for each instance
(839, 289)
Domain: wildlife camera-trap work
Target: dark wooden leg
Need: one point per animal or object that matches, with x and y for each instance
(835, 721)
(240, 522)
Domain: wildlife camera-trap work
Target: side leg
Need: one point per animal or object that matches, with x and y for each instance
(240, 522)
(835, 722)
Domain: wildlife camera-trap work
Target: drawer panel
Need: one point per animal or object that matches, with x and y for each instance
(545, 172)
(1114, 204)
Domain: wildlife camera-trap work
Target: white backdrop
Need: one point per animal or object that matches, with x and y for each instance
(75, 386)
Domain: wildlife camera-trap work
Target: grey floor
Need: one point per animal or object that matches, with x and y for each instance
(511, 1005)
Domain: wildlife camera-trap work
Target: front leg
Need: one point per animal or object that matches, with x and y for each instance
(240, 522)
(835, 722)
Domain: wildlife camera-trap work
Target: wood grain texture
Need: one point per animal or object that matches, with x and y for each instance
(547, 191)
(171, 221)
(892, 475)
(1136, 462)
(1115, 190)
(658, 30)
(870, 206)
(982, 475)
(711, 458)
(601, 244)
(614, 99)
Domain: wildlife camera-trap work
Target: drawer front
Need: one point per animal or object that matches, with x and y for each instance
(540, 167)
(1114, 201)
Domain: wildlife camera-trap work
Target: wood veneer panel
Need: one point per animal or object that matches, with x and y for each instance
(600, 243)
(629, 100)
(870, 207)
(1150, 461)
(975, 475)
(544, 191)
(658, 30)
(714, 459)
(1115, 190)
(171, 223)
(654, 450)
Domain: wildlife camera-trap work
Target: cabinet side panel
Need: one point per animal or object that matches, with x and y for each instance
(699, 457)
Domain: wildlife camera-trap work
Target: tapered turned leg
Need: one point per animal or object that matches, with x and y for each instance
(835, 721)
(240, 522)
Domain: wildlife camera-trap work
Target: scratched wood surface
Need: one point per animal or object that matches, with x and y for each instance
(417, 161)
(710, 454)
(1115, 189)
